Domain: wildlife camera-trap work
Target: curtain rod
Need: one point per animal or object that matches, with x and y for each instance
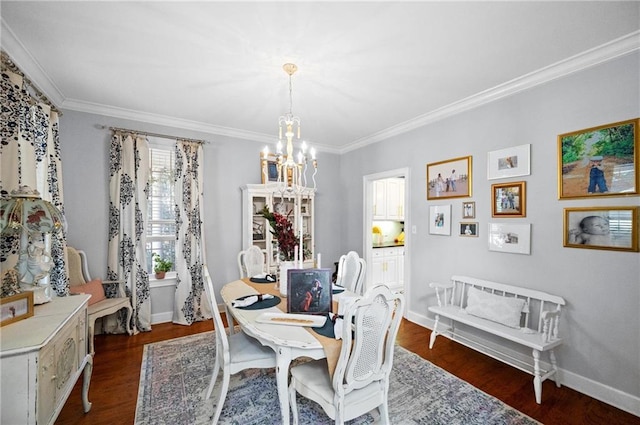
(8, 63)
(165, 136)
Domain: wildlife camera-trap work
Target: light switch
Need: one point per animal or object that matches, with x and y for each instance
(414, 229)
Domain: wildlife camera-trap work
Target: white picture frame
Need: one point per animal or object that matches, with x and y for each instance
(440, 220)
(509, 162)
(510, 238)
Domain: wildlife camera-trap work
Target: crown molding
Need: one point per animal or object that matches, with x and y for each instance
(604, 53)
(29, 66)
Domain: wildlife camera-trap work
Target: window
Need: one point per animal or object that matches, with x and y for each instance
(161, 226)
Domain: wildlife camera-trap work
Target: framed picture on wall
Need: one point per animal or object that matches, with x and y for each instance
(449, 179)
(469, 209)
(613, 228)
(509, 162)
(599, 161)
(509, 200)
(511, 238)
(440, 219)
(469, 229)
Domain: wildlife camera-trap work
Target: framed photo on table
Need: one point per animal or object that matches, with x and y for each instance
(16, 307)
(268, 168)
(599, 161)
(509, 162)
(509, 200)
(449, 179)
(440, 219)
(309, 291)
(612, 228)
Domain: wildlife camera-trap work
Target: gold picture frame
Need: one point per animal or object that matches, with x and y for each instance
(599, 161)
(609, 228)
(449, 179)
(509, 199)
(16, 307)
(268, 168)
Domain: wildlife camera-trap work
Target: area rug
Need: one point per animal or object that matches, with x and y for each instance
(175, 375)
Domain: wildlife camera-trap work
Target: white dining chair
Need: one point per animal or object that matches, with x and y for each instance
(351, 271)
(234, 353)
(251, 262)
(360, 382)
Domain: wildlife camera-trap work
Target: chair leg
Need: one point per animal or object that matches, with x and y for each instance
(214, 376)
(226, 376)
(434, 332)
(292, 401)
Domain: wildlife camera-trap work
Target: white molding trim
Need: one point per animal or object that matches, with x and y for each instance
(599, 391)
(163, 317)
(606, 52)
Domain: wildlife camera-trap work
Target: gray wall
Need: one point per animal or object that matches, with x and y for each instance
(602, 288)
(601, 323)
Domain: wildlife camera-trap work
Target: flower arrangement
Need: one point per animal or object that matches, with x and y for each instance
(282, 230)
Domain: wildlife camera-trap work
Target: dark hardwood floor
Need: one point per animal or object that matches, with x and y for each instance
(116, 372)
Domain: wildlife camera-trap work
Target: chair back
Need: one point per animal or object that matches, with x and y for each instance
(222, 342)
(76, 266)
(251, 262)
(370, 327)
(351, 270)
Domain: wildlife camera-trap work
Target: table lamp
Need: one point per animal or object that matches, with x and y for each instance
(27, 214)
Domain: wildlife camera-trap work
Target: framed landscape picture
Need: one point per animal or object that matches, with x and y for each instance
(613, 228)
(599, 161)
(509, 199)
(449, 179)
(509, 162)
(511, 238)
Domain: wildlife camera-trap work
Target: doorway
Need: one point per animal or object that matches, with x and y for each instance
(387, 250)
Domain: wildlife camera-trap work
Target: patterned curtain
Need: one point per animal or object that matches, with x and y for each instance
(128, 189)
(30, 155)
(190, 303)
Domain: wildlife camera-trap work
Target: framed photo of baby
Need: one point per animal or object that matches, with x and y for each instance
(613, 228)
(599, 161)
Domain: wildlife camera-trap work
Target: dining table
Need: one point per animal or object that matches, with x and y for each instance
(289, 341)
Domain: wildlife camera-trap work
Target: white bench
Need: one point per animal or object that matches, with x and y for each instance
(483, 313)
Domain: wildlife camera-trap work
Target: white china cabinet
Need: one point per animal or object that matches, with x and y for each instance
(256, 229)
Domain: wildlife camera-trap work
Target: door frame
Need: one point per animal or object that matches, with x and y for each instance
(367, 239)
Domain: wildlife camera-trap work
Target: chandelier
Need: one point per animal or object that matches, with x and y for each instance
(292, 169)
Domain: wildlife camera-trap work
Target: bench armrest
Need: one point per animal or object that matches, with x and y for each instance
(442, 287)
(549, 328)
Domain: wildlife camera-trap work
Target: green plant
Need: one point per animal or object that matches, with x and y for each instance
(162, 265)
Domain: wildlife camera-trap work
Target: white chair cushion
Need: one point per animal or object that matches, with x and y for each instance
(243, 348)
(504, 310)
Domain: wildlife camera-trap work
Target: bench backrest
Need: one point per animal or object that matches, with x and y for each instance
(537, 302)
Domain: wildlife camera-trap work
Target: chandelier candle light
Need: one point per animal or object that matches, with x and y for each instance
(292, 171)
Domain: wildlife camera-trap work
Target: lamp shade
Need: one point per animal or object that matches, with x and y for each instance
(26, 210)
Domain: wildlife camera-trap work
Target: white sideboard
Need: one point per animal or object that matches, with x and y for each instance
(41, 359)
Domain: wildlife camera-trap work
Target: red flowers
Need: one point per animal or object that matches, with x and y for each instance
(282, 230)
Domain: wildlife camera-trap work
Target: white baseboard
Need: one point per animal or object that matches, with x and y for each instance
(163, 317)
(621, 400)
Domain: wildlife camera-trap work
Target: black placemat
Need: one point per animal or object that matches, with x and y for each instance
(271, 302)
(260, 280)
(327, 329)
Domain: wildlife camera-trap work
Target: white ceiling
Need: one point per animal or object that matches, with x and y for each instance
(367, 70)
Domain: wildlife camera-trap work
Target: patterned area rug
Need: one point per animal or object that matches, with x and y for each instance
(175, 375)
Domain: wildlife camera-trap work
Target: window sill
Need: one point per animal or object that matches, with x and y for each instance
(169, 280)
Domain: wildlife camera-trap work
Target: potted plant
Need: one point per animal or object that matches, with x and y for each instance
(162, 266)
